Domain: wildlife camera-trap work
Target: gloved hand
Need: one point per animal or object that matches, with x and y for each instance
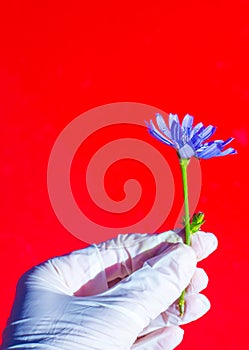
(120, 294)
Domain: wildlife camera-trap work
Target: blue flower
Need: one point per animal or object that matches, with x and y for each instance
(189, 141)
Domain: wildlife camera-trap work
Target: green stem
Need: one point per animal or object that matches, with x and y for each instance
(184, 164)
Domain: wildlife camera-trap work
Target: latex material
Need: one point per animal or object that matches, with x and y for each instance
(120, 294)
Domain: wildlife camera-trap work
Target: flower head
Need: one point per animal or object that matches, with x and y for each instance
(189, 141)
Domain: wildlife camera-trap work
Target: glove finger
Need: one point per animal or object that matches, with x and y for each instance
(165, 338)
(127, 252)
(198, 282)
(196, 306)
(149, 291)
(203, 243)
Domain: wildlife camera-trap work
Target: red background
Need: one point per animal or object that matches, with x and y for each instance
(59, 60)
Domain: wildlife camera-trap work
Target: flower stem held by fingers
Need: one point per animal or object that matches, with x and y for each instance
(191, 226)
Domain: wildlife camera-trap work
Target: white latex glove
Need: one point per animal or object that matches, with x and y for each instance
(120, 294)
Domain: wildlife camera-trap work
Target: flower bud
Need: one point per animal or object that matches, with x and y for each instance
(196, 222)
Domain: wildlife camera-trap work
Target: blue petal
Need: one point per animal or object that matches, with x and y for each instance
(227, 141)
(172, 118)
(187, 124)
(214, 149)
(207, 132)
(229, 150)
(176, 133)
(162, 125)
(218, 142)
(196, 129)
(153, 131)
(221, 143)
(196, 139)
(209, 151)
